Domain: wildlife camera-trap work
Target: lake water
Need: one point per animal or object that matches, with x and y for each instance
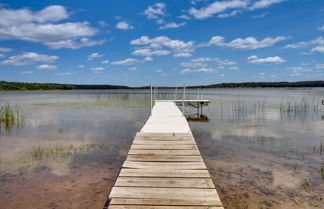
(263, 147)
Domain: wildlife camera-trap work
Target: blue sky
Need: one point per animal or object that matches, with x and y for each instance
(133, 43)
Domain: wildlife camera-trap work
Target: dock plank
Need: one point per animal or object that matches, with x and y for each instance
(164, 146)
(164, 173)
(162, 201)
(165, 165)
(164, 168)
(164, 152)
(163, 158)
(165, 182)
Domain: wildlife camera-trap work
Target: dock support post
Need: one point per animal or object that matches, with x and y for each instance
(183, 98)
(151, 97)
(176, 93)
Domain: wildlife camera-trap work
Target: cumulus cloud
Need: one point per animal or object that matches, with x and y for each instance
(171, 25)
(128, 61)
(46, 27)
(132, 68)
(97, 69)
(94, 55)
(248, 43)
(28, 58)
(159, 71)
(123, 25)
(319, 49)
(230, 8)
(105, 62)
(268, 60)
(202, 59)
(46, 67)
(225, 62)
(155, 11)
(193, 64)
(200, 70)
(321, 28)
(148, 52)
(5, 50)
(28, 72)
(184, 17)
(81, 66)
(216, 7)
(316, 41)
(64, 74)
(178, 47)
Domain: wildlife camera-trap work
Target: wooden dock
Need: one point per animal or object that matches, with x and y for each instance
(164, 168)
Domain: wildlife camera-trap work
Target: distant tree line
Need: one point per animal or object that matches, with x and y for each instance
(20, 86)
(264, 85)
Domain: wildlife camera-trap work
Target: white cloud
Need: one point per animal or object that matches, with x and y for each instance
(200, 70)
(123, 25)
(248, 43)
(64, 74)
(268, 60)
(94, 55)
(319, 66)
(217, 7)
(178, 47)
(184, 17)
(171, 25)
(148, 52)
(43, 27)
(259, 16)
(230, 8)
(264, 3)
(28, 72)
(97, 69)
(46, 67)
(81, 66)
(105, 62)
(128, 61)
(132, 68)
(159, 71)
(1, 55)
(319, 49)
(156, 11)
(316, 41)
(5, 50)
(299, 69)
(103, 23)
(28, 58)
(321, 28)
(193, 64)
(202, 59)
(225, 62)
(234, 68)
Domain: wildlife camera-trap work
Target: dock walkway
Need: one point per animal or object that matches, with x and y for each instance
(164, 168)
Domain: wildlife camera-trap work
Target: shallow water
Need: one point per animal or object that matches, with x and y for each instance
(262, 146)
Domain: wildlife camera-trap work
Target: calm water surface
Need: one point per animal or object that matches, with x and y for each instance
(263, 147)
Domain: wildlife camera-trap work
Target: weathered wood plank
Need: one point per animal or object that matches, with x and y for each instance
(164, 152)
(164, 158)
(167, 193)
(165, 182)
(165, 146)
(165, 165)
(164, 173)
(139, 141)
(164, 138)
(162, 207)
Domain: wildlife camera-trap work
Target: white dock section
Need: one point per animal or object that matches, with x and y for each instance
(166, 118)
(164, 168)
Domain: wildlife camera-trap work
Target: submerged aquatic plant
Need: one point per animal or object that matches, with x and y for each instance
(10, 116)
(307, 185)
